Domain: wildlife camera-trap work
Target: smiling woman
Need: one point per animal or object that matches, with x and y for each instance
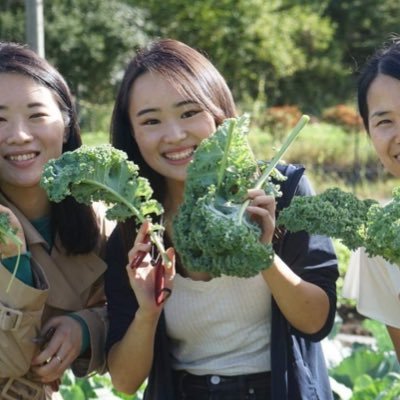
(372, 281)
(171, 99)
(52, 317)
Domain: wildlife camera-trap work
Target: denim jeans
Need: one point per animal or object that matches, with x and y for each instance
(217, 387)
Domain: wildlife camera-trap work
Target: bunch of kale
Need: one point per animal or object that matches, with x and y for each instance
(211, 231)
(356, 223)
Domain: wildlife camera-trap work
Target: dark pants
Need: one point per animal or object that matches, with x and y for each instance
(217, 387)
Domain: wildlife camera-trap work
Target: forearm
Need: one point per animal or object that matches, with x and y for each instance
(305, 305)
(130, 359)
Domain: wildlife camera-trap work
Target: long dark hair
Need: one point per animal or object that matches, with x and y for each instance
(386, 61)
(192, 74)
(75, 223)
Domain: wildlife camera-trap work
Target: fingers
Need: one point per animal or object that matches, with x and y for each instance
(61, 350)
(262, 209)
(141, 246)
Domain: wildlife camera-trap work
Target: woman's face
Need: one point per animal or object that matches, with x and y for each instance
(31, 131)
(167, 126)
(383, 101)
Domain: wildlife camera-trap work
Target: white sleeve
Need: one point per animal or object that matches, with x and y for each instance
(375, 285)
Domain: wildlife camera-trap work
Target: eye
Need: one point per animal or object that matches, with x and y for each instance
(150, 121)
(383, 122)
(38, 115)
(190, 113)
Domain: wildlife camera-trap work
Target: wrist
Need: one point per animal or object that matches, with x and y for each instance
(147, 317)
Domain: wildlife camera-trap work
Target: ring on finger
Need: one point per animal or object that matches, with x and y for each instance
(58, 358)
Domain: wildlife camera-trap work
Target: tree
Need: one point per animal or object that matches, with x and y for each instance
(248, 40)
(89, 41)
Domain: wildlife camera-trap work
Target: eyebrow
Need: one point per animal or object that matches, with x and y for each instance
(379, 114)
(30, 105)
(176, 105)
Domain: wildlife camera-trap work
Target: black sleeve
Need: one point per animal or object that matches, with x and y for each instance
(121, 301)
(313, 258)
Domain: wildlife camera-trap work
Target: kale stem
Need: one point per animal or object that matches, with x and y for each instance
(272, 164)
(224, 161)
(18, 243)
(119, 199)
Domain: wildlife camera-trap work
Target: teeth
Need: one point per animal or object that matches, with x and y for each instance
(179, 155)
(22, 157)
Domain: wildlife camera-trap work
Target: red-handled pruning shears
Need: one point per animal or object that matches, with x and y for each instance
(161, 293)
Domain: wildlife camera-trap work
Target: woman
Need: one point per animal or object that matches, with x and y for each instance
(52, 315)
(374, 282)
(263, 341)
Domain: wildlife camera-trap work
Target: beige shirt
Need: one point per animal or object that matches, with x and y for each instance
(375, 285)
(63, 284)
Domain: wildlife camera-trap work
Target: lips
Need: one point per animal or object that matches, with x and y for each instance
(180, 155)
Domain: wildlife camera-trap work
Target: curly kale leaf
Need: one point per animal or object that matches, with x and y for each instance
(383, 229)
(224, 160)
(209, 238)
(7, 232)
(100, 173)
(333, 213)
(211, 232)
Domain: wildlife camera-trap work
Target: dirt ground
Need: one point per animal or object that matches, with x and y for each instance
(351, 321)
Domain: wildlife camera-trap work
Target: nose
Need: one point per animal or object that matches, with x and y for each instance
(18, 133)
(174, 132)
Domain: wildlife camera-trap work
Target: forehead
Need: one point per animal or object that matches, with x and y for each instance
(152, 87)
(23, 89)
(384, 90)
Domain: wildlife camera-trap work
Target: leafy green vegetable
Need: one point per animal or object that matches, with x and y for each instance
(357, 223)
(211, 232)
(9, 233)
(383, 229)
(103, 173)
(332, 213)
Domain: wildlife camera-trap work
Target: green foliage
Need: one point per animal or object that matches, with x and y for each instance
(100, 173)
(332, 213)
(93, 387)
(248, 40)
(7, 232)
(371, 372)
(383, 229)
(89, 41)
(226, 240)
(357, 223)
(222, 171)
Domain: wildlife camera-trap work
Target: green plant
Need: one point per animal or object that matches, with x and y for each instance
(226, 240)
(371, 372)
(9, 233)
(357, 223)
(103, 173)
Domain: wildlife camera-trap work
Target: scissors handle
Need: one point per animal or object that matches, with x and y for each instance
(137, 260)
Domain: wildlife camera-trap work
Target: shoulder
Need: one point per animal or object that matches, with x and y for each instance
(296, 183)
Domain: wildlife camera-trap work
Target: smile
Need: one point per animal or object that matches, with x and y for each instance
(180, 155)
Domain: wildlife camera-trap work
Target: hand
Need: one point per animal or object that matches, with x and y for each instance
(262, 209)
(9, 248)
(61, 350)
(143, 273)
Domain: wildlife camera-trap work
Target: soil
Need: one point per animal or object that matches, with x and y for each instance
(352, 321)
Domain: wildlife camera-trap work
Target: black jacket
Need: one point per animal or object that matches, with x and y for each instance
(297, 363)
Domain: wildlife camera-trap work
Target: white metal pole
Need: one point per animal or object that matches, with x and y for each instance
(35, 25)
